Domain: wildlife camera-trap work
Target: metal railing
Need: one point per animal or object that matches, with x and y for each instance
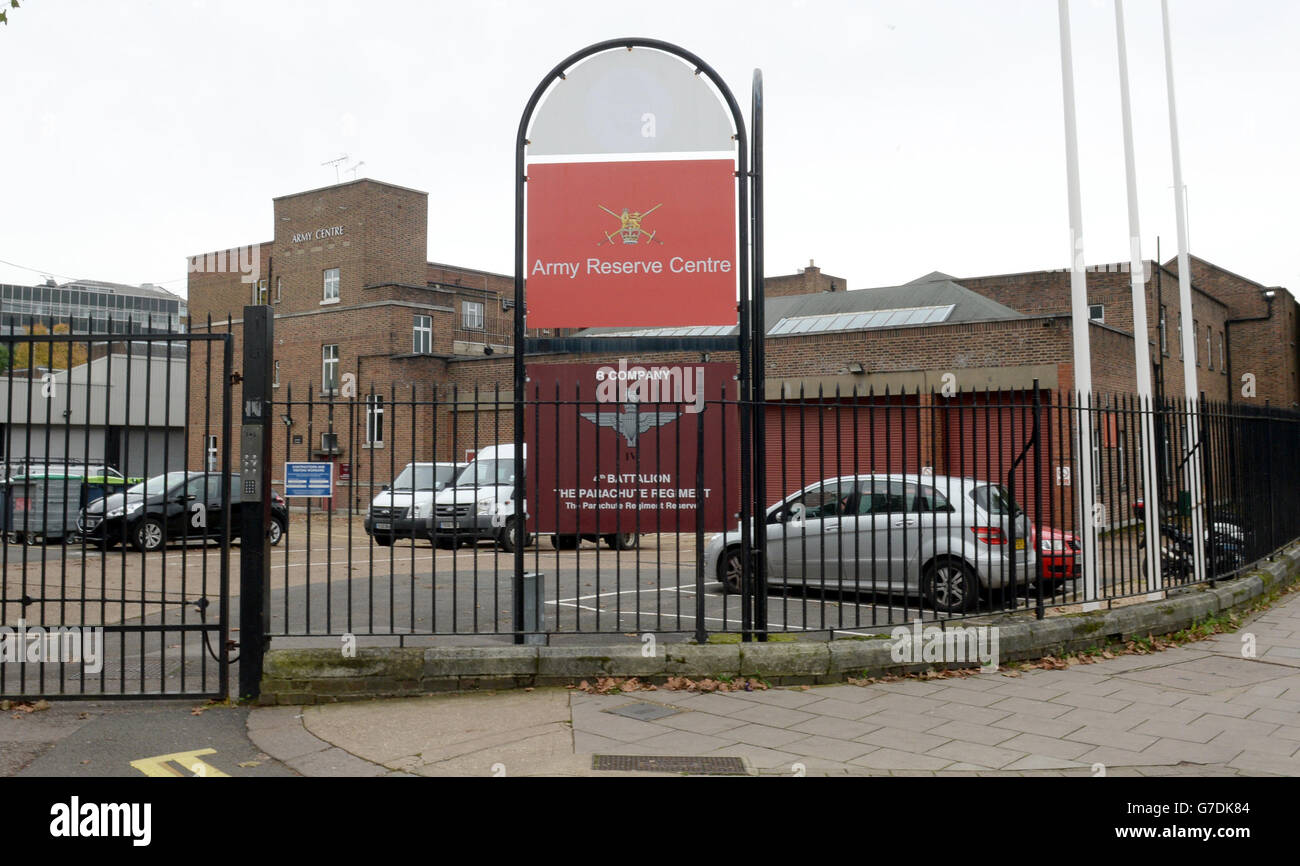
(885, 507)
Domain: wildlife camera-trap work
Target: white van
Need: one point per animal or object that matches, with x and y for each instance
(405, 508)
(481, 503)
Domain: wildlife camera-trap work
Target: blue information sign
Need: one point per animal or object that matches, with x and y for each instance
(308, 479)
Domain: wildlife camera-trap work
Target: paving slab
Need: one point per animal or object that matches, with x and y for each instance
(1196, 710)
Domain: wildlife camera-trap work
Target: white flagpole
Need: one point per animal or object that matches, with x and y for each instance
(1192, 454)
(1141, 346)
(1079, 321)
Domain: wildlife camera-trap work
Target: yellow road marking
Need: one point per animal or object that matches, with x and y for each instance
(160, 765)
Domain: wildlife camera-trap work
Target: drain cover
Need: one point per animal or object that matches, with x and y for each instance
(670, 764)
(644, 712)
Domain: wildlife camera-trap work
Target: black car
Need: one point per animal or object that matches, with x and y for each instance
(172, 507)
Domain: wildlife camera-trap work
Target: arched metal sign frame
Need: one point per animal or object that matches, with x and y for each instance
(744, 344)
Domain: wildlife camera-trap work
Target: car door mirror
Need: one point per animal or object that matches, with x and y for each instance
(383, 489)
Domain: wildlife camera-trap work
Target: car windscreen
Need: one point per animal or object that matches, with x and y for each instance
(159, 484)
(482, 473)
(446, 474)
(415, 477)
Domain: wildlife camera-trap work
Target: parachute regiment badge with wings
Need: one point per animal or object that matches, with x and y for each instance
(629, 423)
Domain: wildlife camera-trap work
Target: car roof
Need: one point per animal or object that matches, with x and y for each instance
(932, 480)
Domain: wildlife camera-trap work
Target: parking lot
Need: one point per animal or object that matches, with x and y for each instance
(328, 578)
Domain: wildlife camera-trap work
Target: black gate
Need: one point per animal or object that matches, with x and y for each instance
(115, 506)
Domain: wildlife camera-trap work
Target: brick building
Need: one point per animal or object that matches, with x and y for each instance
(415, 355)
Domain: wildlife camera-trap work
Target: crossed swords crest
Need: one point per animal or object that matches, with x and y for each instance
(630, 231)
(629, 423)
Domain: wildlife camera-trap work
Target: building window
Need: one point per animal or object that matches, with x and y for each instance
(276, 382)
(1196, 344)
(279, 289)
(259, 292)
(1209, 346)
(472, 315)
(211, 449)
(331, 292)
(1180, 338)
(1164, 333)
(1223, 364)
(422, 335)
(329, 373)
(374, 421)
(1097, 312)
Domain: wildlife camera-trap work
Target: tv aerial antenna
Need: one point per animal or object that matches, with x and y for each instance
(353, 168)
(336, 163)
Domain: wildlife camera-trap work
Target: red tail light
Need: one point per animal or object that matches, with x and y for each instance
(989, 534)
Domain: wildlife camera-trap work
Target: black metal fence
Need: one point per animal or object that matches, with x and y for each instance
(113, 502)
(886, 507)
(882, 508)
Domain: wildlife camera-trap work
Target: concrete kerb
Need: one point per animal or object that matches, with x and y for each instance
(306, 676)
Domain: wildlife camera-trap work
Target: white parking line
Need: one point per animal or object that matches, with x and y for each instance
(644, 589)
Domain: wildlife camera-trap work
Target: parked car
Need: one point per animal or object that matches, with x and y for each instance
(404, 508)
(480, 505)
(1058, 553)
(946, 538)
(170, 507)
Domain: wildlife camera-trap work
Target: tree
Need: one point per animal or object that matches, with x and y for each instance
(4, 358)
(4, 13)
(55, 356)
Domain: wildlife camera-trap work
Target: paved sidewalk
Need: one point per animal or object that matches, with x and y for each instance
(1202, 709)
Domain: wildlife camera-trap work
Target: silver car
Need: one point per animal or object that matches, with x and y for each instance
(945, 538)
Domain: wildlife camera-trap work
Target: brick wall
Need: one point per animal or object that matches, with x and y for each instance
(808, 281)
(1040, 292)
(1267, 350)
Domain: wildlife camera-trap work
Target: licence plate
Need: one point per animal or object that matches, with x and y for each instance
(383, 526)
(446, 524)
(1020, 544)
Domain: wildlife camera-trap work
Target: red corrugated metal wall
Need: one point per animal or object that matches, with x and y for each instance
(984, 432)
(811, 439)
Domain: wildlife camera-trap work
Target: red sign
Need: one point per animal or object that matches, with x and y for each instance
(612, 447)
(641, 244)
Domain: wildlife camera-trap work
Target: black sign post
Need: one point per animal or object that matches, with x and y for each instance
(255, 493)
(572, 133)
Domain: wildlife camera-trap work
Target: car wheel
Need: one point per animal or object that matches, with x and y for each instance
(511, 535)
(383, 540)
(277, 532)
(729, 571)
(622, 540)
(564, 542)
(951, 586)
(148, 535)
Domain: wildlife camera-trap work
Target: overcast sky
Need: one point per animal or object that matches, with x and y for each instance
(902, 137)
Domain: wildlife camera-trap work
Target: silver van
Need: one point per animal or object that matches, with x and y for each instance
(944, 538)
